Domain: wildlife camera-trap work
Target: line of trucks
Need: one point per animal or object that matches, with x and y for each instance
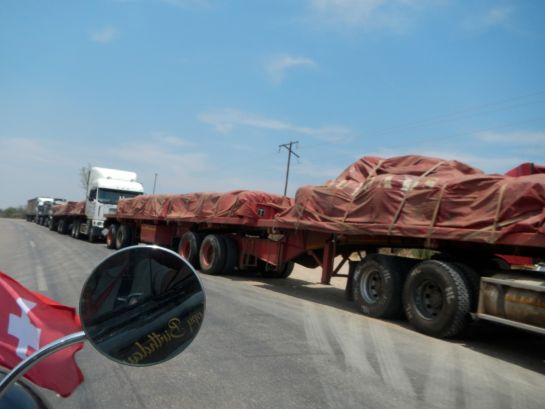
(434, 241)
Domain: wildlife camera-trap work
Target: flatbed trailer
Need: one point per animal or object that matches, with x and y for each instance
(64, 218)
(438, 276)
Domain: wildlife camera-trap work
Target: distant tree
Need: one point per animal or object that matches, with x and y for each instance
(13, 212)
(84, 176)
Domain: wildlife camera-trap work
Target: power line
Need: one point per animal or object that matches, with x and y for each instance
(486, 108)
(288, 146)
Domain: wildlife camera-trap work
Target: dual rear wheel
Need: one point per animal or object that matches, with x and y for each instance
(120, 236)
(436, 296)
(218, 254)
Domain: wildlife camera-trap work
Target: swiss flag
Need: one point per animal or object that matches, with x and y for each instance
(29, 321)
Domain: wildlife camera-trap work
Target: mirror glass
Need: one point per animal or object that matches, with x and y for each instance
(142, 305)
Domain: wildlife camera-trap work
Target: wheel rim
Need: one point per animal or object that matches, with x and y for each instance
(185, 249)
(207, 255)
(371, 287)
(429, 299)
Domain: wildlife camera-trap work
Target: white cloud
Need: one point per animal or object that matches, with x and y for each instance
(391, 14)
(170, 139)
(487, 163)
(314, 171)
(187, 3)
(518, 138)
(225, 120)
(347, 11)
(104, 35)
(278, 65)
(494, 17)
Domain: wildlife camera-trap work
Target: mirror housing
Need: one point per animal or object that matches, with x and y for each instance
(142, 305)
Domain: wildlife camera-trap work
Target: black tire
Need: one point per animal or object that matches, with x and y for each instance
(270, 271)
(110, 237)
(189, 247)
(231, 255)
(91, 235)
(436, 298)
(62, 228)
(378, 284)
(53, 225)
(288, 269)
(212, 254)
(123, 237)
(473, 281)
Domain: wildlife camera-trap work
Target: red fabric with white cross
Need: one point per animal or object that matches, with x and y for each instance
(29, 321)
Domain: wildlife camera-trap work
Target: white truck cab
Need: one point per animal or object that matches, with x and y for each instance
(105, 188)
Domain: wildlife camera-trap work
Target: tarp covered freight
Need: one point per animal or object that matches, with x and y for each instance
(69, 209)
(423, 197)
(241, 204)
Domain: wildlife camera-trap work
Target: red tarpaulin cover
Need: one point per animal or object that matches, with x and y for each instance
(69, 209)
(417, 196)
(200, 206)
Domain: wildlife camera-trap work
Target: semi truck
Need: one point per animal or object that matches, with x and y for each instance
(105, 187)
(421, 238)
(37, 209)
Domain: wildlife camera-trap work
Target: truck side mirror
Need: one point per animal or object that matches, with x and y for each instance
(142, 306)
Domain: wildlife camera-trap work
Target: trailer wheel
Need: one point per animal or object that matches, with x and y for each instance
(52, 225)
(269, 271)
(378, 283)
(63, 226)
(212, 254)
(91, 236)
(75, 230)
(473, 281)
(231, 255)
(436, 298)
(110, 237)
(190, 244)
(123, 237)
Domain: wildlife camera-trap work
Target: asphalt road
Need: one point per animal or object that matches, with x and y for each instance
(284, 344)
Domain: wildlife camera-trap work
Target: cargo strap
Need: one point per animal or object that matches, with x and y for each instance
(362, 188)
(400, 208)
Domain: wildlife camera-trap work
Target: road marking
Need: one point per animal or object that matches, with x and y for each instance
(40, 278)
(32, 244)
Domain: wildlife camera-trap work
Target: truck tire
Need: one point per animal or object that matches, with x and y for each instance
(189, 247)
(377, 284)
(123, 237)
(110, 237)
(91, 235)
(231, 256)
(269, 271)
(473, 281)
(75, 229)
(212, 254)
(62, 228)
(436, 298)
(52, 224)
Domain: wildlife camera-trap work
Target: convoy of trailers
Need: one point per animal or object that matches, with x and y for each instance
(105, 187)
(39, 209)
(425, 239)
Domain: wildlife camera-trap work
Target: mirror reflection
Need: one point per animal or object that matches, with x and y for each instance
(143, 305)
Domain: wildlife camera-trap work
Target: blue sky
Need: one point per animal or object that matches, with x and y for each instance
(202, 92)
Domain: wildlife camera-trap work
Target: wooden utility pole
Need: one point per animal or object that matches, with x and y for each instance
(288, 146)
(154, 183)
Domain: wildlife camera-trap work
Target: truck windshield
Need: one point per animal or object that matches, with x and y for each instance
(110, 196)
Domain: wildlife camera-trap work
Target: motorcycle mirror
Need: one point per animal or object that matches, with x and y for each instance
(142, 305)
